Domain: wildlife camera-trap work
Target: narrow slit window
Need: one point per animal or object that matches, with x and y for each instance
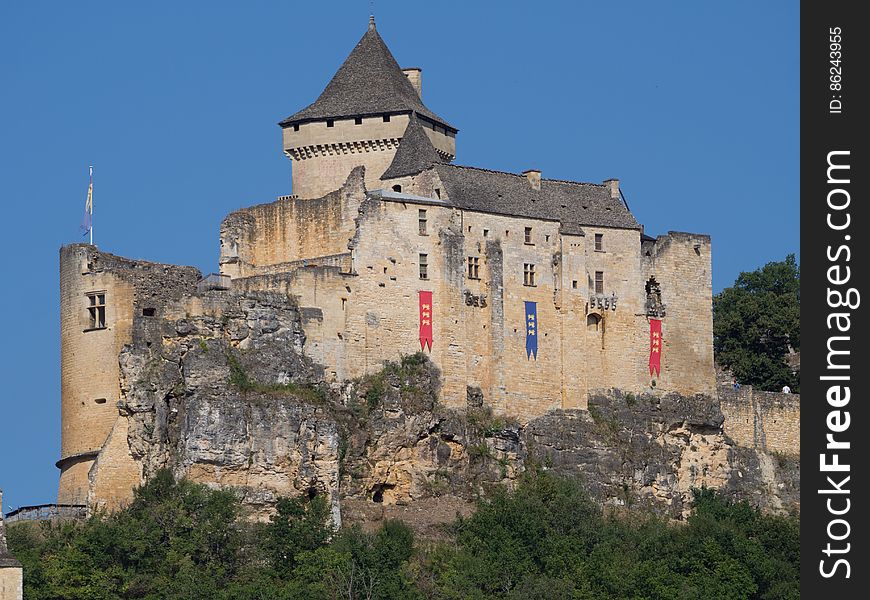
(424, 266)
(438, 193)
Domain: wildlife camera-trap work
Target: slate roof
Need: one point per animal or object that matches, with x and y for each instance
(369, 82)
(415, 154)
(571, 203)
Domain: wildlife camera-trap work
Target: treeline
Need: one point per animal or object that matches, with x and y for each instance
(546, 539)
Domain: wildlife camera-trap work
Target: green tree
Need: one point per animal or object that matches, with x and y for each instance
(756, 321)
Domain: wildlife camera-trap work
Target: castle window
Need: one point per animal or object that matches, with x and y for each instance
(147, 312)
(528, 234)
(344, 304)
(424, 266)
(574, 284)
(546, 238)
(386, 118)
(330, 123)
(421, 221)
(599, 282)
(486, 233)
(397, 188)
(357, 121)
(96, 310)
(438, 193)
(473, 267)
(296, 127)
(599, 242)
(100, 401)
(528, 274)
(592, 321)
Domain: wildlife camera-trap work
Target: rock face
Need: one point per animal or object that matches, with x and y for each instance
(229, 399)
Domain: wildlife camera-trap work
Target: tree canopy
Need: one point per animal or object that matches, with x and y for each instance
(756, 321)
(545, 539)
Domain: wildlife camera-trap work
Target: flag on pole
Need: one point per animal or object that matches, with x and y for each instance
(88, 220)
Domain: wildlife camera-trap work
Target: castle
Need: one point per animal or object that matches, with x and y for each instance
(536, 291)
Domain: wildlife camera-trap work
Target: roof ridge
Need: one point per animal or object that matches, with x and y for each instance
(521, 175)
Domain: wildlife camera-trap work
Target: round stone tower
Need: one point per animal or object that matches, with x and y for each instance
(95, 322)
(359, 120)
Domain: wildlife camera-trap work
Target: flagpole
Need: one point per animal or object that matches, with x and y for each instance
(91, 176)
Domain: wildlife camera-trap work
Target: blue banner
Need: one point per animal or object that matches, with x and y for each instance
(531, 330)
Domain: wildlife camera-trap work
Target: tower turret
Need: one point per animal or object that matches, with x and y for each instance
(359, 119)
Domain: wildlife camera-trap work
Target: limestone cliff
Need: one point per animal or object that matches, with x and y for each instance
(228, 398)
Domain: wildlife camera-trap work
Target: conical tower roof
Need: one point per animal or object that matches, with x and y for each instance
(415, 154)
(369, 82)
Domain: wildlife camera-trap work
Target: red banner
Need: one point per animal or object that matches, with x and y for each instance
(655, 347)
(426, 320)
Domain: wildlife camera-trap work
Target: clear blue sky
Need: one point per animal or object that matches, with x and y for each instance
(692, 105)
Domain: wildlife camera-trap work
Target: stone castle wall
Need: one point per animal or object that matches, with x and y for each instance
(767, 421)
(89, 355)
(362, 310)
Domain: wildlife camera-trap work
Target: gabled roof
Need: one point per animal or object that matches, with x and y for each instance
(369, 82)
(571, 203)
(415, 154)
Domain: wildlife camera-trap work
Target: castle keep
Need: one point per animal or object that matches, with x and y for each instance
(385, 247)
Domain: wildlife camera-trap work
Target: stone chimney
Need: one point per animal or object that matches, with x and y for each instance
(613, 186)
(534, 177)
(415, 76)
(11, 577)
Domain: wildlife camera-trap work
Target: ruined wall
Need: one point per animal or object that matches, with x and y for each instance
(324, 156)
(768, 421)
(290, 229)
(681, 264)
(89, 355)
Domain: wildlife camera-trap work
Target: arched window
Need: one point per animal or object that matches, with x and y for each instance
(595, 326)
(592, 322)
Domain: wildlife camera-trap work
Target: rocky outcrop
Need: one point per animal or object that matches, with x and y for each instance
(228, 398)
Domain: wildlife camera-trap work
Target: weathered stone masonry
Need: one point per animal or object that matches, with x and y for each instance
(320, 288)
